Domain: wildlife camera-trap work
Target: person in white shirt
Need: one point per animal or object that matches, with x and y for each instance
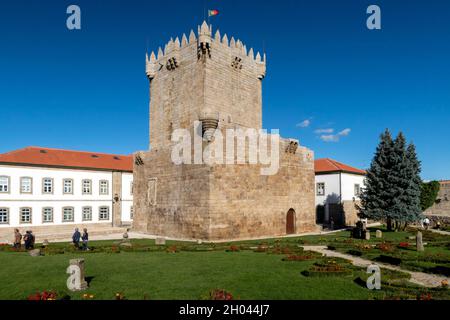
(426, 223)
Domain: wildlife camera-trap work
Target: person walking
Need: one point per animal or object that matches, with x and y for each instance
(76, 238)
(426, 223)
(17, 239)
(27, 240)
(85, 239)
(32, 240)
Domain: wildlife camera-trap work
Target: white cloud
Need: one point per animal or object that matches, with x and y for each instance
(304, 123)
(345, 132)
(335, 137)
(328, 130)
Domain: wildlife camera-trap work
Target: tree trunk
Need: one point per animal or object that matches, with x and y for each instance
(389, 224)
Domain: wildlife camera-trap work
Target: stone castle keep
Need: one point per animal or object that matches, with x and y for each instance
(217, 81)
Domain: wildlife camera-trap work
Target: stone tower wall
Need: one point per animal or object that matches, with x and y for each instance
(213, 78)
(224, 81)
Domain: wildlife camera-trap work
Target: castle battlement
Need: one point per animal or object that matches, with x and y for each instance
(205, 43)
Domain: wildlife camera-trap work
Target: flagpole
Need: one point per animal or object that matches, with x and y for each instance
(204, 10)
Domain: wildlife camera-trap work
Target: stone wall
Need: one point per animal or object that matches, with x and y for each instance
(351, 212)
(223, 201)
(442, 205)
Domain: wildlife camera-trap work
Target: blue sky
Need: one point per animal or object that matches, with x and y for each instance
(87, 90)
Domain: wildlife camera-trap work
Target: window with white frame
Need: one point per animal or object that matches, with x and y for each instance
(87, 213)
(25, 215)
(47, 215)
(4, 215)
(4, 184)
(26, 185)
(68, 214)
(320, 189)
(131, 212)
(87, 186)
(47, 185)
(357, 190)
(104, 187)
(103, 213)
(68, 186)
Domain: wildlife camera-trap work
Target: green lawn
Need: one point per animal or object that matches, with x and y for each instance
(147, 271)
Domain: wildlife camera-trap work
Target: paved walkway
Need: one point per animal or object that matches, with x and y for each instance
(138, 235)
(420, 278)
(440, 231)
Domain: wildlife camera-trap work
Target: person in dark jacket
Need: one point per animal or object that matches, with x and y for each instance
(28, 240)
(32, 240)
(76, 238)
(85, 239)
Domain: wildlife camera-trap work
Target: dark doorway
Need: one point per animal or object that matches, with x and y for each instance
(290, 222)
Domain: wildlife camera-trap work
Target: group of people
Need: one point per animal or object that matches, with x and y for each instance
(28, 239)
(77, 236)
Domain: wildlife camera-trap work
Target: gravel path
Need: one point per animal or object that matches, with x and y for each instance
(420, 278)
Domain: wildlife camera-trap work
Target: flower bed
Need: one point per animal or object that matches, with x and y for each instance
(294, 257)
(43, 296)
(233, 248)
(220, 295)
(403, 245)
(385, 247)
(329, 268)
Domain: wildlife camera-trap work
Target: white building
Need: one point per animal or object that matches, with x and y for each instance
(338, 187)
(52, 191)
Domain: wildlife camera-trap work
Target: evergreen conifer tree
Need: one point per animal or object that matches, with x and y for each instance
(375, 198)
(393, 184)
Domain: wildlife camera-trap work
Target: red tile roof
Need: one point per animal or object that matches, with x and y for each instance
(47, 157)
(329, 165)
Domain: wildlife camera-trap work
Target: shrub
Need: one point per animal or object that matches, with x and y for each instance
(389, 259)
(444, 270)
(355, 252)
(428, 194)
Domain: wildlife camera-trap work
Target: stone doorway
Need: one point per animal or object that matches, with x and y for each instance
(290, 222)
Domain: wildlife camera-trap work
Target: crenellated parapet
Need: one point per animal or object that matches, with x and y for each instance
(205, 43)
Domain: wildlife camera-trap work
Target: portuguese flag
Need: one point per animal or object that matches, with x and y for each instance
(212, 13)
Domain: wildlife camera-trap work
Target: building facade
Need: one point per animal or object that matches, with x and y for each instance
(51, 191)
(210, 78)
(338, 187)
